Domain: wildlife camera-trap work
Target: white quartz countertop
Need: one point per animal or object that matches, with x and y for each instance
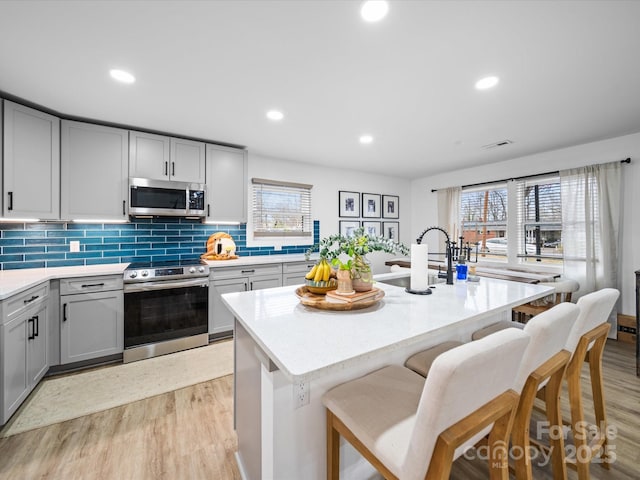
(306, 343)
(16, 281)
(261, 260)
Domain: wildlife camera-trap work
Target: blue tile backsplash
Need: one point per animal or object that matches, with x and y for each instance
(37, 245)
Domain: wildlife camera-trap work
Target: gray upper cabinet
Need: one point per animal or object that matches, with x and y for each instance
(94, 171)
(164, 158)
(226, 184)
(31, 167)
(187, 161)
(149, 156)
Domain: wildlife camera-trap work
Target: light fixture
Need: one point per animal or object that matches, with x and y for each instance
(374, 10)
(275, 115)
(122, 76)
(366, 139)
(487, 82)
(98, 220)
(20, 220)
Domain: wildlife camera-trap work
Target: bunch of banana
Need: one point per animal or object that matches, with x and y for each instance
(320, 272)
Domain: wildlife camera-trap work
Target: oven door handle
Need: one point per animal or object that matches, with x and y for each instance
(164, 285)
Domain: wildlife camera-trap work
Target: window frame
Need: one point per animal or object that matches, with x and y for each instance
(513, 257)
(278, 186)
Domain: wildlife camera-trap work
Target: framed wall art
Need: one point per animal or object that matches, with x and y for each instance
(390, 206)
(372, 228)
(391, 230)
(370, 205)
(349, 204)
(347, 227)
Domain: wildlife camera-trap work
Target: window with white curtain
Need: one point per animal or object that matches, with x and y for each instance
(483, 219)
(281, 209)
(529, 209)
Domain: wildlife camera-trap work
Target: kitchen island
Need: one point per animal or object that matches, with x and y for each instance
(287, 355)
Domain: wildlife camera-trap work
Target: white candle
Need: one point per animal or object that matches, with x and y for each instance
(419, 267)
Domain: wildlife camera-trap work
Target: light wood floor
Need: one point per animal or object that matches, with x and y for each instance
(188, 434)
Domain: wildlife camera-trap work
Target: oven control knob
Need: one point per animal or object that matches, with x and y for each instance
(133, 274)
(201, 269)
(192, 270)
(145, 273)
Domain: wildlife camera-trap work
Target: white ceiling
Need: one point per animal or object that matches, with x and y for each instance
(569, 74)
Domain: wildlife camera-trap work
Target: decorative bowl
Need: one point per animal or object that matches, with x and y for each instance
(321, 288)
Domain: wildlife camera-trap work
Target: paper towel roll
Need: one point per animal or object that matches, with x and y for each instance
(419, 267)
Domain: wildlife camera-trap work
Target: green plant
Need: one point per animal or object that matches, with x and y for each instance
(347, 253)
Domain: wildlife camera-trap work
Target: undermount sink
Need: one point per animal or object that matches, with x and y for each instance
(406, 281)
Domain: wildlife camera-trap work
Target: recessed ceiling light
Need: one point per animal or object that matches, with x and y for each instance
(275, 115)
(364, 139)
(122, 76)
(374, 10)
(487, 82)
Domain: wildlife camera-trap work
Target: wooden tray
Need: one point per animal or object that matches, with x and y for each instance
(318, 301)
(214, 256)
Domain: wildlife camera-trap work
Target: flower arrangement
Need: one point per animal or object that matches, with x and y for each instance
(347, 253)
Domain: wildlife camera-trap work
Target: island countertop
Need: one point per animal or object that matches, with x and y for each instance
(306, 343)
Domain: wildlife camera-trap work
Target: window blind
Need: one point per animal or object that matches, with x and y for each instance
(540, 217)
(281, 209)
(483, 216)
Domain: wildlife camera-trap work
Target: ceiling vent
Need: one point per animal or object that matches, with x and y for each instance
(501, 143)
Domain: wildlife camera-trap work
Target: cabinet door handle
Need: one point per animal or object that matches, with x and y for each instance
(166, 168)
(10, 207)
(251, 285)
(90, 285)
(30, 336)
(33, 297)
(249, 271)
(37, 326)
(124, 207)
(173, 168)
(246, 287)
(208, 210)
(64, 312)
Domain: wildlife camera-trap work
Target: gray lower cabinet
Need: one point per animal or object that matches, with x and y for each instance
(293, 273)
(237, 279)
(91, 318)
(23, 344)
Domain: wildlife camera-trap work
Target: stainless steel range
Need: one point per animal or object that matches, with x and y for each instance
(166, 308)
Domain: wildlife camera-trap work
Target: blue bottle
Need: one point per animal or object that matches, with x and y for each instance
(461, 269)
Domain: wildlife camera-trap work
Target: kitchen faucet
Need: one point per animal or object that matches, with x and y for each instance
(449, 251)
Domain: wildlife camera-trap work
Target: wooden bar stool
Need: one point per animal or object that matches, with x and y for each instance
(543, 366)
(543, 363)
(563, 289)
(586, 342)
(410, 428)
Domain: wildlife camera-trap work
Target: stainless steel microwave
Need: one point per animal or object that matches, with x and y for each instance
(166, 198)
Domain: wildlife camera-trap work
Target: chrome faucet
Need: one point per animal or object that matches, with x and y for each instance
(449, 251)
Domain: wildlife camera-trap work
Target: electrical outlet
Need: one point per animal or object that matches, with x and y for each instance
(277, 248)
(74, 246)
(301, 394)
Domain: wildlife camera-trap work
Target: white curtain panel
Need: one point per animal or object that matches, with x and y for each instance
(591, 199)
(449, 212)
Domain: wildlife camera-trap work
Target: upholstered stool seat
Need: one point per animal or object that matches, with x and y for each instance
(496, 327)
(421, 362)
(412, 428)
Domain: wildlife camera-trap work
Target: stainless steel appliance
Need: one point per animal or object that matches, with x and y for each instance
(166, 198)
(166, 308)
